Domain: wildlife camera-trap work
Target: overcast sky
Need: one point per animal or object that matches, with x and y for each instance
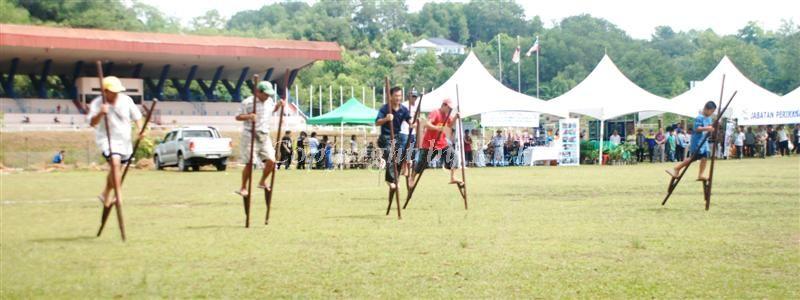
(637, 17)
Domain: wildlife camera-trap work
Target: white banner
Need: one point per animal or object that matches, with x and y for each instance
(784, 113)
(510, 119)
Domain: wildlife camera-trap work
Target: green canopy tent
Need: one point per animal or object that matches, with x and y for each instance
(352, 112)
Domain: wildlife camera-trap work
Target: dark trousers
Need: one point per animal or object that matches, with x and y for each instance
(783, 148)
(679, 152)
(640, 154)
(651, 152)
(286, 160)
(739, 150)
(390, 156)
(749, 150)
(301, 158)
(770, 147)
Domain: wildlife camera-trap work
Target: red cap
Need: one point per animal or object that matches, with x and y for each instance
(448, 102)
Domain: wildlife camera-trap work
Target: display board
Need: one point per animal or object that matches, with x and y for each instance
(569, 137)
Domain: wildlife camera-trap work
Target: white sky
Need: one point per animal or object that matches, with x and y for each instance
(637, 17)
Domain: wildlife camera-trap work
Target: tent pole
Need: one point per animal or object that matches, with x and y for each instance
(310, 100)
(341, 144)
(330, 97)
(373, 97)
(320, 99)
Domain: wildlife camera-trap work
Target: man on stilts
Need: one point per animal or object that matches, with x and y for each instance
(391, 116)
(120, 111)
(434, 144)
(263, 148)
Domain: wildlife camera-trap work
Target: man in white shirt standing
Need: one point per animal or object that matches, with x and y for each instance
(262, 148)
(738, 141)
(119, 110)
(615, 139)
(406, 136)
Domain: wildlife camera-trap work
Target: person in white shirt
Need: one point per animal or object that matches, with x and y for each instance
(738, 141)
(615, 138)
(406, 136)
(313, 149)
(119, 111)
(265, 106)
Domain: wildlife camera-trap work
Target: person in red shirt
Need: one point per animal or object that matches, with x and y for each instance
(434, 143)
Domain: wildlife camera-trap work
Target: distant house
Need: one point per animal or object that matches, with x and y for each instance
(437, 45)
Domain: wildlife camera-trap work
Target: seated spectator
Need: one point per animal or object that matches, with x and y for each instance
(59, 157)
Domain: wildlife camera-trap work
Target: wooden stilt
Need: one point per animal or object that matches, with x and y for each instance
(708, 182)
(107, 210)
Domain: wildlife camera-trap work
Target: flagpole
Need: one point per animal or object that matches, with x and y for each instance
(499, 61)
(519, 66)
(537, 68)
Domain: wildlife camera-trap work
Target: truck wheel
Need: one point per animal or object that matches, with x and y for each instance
(195, 168)
(182, 166)
(221, 164)
(158, 164)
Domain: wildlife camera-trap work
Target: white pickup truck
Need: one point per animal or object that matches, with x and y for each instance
(193, 147)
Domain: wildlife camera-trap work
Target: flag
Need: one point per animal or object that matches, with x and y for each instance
(515, 57)
(534, 48)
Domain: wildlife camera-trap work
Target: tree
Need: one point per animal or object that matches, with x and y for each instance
(210, 22)
(10, 13)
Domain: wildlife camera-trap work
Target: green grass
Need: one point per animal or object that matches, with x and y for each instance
(545, 232)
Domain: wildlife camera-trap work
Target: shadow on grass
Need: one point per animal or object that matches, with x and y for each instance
(64, 239)
(366, 217)
(212, 227)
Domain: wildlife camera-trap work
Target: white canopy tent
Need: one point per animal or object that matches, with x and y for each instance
(480, 92)
(749, 95)
(606, 94)
(792, 96)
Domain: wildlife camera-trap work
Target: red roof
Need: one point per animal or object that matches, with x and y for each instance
(160, 43)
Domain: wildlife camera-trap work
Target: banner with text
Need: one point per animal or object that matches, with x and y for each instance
(510, 119)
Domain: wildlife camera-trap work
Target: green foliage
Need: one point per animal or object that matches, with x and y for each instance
(147, 146)
(570, 49)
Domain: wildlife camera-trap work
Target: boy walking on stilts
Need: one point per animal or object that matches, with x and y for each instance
(120, 111)
(703, 126)
(263, 148)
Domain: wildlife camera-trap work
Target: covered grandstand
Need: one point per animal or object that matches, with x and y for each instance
(55, 59)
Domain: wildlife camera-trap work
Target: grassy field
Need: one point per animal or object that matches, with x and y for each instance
(545, 232)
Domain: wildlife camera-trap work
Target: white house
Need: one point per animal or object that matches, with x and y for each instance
(437, 45)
